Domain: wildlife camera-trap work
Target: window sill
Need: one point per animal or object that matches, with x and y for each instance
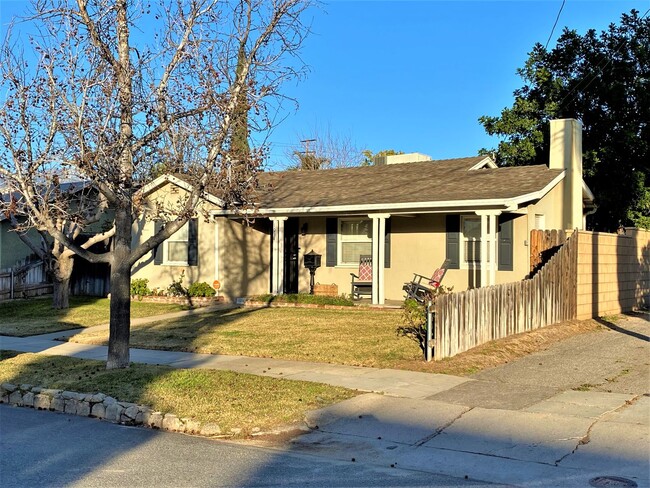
(174, 263)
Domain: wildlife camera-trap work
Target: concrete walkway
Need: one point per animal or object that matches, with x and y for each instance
(566, 415)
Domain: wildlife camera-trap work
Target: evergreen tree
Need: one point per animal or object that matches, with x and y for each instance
(604, 80)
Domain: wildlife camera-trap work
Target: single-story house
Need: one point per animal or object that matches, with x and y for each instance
(410, 217)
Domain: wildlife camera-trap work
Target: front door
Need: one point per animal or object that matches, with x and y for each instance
(291, 255)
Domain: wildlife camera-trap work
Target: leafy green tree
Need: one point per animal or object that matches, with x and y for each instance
(604, 80)
(369, 156)
(310, 161)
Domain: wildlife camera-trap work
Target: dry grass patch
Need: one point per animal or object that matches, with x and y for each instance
(232, 400)
(352, 337)
(23, 318)
(502, 351)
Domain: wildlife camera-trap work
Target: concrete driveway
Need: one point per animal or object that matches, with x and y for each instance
(574, 413)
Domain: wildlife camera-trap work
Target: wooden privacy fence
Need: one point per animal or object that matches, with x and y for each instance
(27, 280)
(470, 318)
(543, 244)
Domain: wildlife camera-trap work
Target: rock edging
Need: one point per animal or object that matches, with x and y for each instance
(103, 407)
(192, 301)
(257, 304)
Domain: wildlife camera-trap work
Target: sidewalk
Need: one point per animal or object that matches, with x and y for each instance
(526, 423)
(406, 384)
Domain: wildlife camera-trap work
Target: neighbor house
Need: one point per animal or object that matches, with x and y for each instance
(409, 214)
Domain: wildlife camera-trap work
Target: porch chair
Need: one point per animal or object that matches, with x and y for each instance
(362, 282)
(420, 287)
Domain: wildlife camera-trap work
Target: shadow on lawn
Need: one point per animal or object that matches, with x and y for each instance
(26, 313)
(181, 333)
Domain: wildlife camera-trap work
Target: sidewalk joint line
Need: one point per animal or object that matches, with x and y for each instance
(440, 429)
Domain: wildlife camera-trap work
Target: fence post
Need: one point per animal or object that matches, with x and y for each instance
(11, 285)
(429, 343)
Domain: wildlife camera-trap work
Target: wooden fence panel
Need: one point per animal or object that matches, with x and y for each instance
(467, 319)
(24, 281)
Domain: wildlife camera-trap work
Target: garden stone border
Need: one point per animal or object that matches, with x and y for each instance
(273, 304)
(192, 301)
(103, 407)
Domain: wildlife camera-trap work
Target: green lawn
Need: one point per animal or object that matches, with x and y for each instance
(354, 337)
(232, 400)
(35, 316)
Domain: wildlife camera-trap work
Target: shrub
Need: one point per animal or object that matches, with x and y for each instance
(201, 290)
(176, 289)
(140, 288)
(414, 317)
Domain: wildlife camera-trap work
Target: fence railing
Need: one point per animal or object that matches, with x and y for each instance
(473, 317)
(26, 280)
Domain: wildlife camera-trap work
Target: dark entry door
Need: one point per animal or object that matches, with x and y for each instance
(291, 255)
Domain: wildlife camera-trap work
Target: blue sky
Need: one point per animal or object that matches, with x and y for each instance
(415, 75)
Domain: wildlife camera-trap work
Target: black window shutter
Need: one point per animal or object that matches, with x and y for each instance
(331, 228)
(387, 245)
(193, 242)
(505, 243)
(453, 241)
(158, 250)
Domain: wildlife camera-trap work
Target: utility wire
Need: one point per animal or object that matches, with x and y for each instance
(598, 69)
(555, 25)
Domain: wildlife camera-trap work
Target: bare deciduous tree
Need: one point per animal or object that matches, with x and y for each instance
(56, 200)
(112, 89)
(325, 149)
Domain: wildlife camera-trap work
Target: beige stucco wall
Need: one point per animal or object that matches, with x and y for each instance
(238, 254)
(613, 272)
(161, 276)
(418, 245)
(552, 207)
(230, 251)
(244, 257)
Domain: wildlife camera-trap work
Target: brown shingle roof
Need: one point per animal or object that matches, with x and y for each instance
(431, 181)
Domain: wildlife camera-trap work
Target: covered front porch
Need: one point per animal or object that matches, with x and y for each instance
(401, 243)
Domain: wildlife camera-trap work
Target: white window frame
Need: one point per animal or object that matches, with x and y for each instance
(174, 238)
(340, 240)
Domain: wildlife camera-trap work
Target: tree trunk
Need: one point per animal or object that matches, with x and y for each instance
(120, 322)
(61, 282)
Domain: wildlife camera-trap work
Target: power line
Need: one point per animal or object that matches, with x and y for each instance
(555, 25)
(598, 69)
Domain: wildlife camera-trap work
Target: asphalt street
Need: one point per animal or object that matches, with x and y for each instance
(50, 449)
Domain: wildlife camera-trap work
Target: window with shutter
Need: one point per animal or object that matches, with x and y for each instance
(355, 240)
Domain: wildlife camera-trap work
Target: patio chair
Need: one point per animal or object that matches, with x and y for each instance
(421, 287)
(362, 282)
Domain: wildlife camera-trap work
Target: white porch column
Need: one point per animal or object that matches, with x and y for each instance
(378, 256)
(488, 246)
(492, 243)
(484, 254)
(277, 255)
